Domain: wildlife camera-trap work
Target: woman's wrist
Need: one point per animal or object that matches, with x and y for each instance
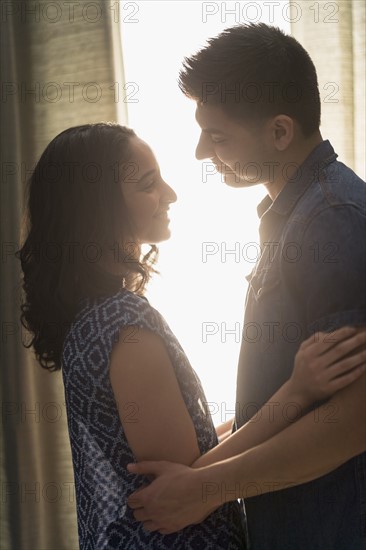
(297, 395)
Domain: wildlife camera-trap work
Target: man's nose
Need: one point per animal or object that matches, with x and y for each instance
(204, 147)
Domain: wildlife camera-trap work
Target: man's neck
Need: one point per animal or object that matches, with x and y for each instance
(289, 163)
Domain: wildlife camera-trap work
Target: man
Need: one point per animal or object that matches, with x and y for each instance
(258, 108)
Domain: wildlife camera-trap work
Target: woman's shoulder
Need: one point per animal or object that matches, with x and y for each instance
(103, 318)
(126, 308)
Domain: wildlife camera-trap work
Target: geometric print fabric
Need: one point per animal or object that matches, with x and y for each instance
(100, 451)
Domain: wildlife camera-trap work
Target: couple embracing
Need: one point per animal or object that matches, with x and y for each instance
(151, 471)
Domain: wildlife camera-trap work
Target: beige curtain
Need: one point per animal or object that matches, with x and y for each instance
(334, 35)
(61, 66)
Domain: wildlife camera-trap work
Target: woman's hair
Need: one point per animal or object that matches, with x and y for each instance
(76, 225)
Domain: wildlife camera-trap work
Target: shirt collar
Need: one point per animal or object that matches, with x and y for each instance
(322, 155)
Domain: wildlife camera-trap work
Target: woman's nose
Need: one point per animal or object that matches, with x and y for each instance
(169, 194)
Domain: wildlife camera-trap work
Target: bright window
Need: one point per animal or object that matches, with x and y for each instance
(202, 285)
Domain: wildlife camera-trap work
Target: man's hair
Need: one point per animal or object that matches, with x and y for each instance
(255, 72)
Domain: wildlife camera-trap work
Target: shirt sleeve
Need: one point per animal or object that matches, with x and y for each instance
(331, 274)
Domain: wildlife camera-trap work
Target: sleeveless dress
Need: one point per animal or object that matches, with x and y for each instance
(100, 451)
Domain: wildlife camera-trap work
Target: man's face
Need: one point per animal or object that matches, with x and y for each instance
(239, 152)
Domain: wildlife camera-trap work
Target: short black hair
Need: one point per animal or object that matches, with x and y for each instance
(254, 72)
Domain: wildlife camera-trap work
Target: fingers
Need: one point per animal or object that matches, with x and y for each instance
(326, 340)
(347, 371)
(342, 381)
(146, 467)
(345, 347)
(150, 526)
(334, 337)
(166, 531)
(344, 365)
(139, 512)
(134, 502)
(340, 341)
(141, 515)
(137, 498)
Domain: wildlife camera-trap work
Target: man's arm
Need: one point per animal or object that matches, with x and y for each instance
(330, 278)
(315, 445)
(322, 366)
(312, 447)
(224, 430)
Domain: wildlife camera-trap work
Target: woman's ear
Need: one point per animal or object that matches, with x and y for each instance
(282, 132)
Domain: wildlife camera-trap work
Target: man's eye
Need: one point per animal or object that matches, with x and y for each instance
(217, 139)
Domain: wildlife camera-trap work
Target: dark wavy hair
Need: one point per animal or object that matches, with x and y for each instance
(253, 72)
(76, 222)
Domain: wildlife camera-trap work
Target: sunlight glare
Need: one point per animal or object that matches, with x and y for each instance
(201, 289)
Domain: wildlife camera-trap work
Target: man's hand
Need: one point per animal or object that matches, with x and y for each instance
(173, 500)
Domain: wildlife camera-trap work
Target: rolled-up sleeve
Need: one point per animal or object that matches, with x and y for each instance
(331, 271)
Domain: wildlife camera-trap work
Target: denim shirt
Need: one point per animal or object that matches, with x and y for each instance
(311, 276)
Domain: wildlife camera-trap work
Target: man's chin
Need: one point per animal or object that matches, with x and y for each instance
(233, 180)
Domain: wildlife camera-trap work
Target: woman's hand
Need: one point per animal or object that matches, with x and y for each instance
(327, 362)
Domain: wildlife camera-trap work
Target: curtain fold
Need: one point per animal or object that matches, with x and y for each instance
(61, 65)
(334, 35)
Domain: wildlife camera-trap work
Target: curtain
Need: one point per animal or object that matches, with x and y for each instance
(334, 35)
(61, 66)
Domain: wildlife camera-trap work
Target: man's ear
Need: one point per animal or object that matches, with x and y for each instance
(282, 132)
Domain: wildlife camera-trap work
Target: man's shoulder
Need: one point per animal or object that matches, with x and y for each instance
(334, 186)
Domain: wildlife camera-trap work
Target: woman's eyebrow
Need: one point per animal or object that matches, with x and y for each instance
(147, 174)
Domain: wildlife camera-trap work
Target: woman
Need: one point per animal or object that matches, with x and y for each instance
(95, 197)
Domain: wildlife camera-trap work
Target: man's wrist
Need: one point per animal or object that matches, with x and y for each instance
(218, 484)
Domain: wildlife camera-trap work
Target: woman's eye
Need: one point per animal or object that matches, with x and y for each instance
(217, 139)
(149, 186)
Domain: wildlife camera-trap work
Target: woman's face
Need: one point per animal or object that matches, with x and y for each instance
(147, 195)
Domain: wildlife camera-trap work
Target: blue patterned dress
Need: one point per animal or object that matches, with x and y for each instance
(100, 451)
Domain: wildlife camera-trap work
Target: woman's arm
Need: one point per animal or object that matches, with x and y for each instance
(320, 370)
(304, 451)
(224, 430)
(141, 374)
